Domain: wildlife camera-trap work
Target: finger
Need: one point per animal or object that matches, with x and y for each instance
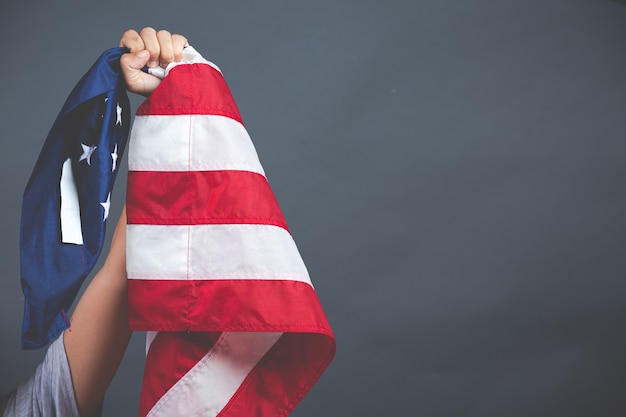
(138, 81)
(151, 43)
(132, 40)
(131, 65)
(167, 48)
(135, 61)
(178, 42)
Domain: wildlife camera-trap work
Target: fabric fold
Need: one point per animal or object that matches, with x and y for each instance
(212, 266)
(85, 141)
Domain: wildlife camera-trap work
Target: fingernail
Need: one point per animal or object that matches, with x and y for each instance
(153, 64)
(143, 54)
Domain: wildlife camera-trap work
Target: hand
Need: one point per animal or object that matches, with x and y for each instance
(152, 48)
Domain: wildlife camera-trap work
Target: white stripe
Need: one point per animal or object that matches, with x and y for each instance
(150, 336)
(211, 383)
(231, 251)
(71, 227)
(196, 142)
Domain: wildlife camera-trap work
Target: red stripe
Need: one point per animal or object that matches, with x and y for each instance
(283, 377)
(274, 386)
(191, 89)
(201, 197)
(225, 305)
(170, 357)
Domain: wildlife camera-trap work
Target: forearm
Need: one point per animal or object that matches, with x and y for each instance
(99, 333)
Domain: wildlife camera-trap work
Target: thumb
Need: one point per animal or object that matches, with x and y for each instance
(135, 61)
(137, 81)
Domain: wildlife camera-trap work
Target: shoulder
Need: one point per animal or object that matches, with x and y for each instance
(49, 392)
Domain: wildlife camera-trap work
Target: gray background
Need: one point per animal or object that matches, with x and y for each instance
(453, 173)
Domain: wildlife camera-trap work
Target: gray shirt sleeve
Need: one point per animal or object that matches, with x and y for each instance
(49, 392)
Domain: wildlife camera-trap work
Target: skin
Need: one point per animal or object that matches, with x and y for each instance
(150, 48)
(99, 334)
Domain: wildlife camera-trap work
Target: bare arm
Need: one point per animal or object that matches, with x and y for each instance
(99, 333)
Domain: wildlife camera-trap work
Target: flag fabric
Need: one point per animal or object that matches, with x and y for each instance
(235, 327)
(67, 198)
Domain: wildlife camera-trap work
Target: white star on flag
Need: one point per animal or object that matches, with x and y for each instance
(106, 205)
(87, 151)
(119, 115)
(114, 157)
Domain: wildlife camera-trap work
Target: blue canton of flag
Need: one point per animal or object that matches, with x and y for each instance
(67, 199)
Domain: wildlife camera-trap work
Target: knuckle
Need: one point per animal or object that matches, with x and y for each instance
(130, 39)
(179, 38)
(130, 33)
(147, 31)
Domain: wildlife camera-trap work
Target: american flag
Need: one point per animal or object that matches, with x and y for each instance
(66, 202)
(235, 325)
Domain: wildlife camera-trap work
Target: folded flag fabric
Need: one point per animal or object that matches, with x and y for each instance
(66, 202)
(235, 325)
